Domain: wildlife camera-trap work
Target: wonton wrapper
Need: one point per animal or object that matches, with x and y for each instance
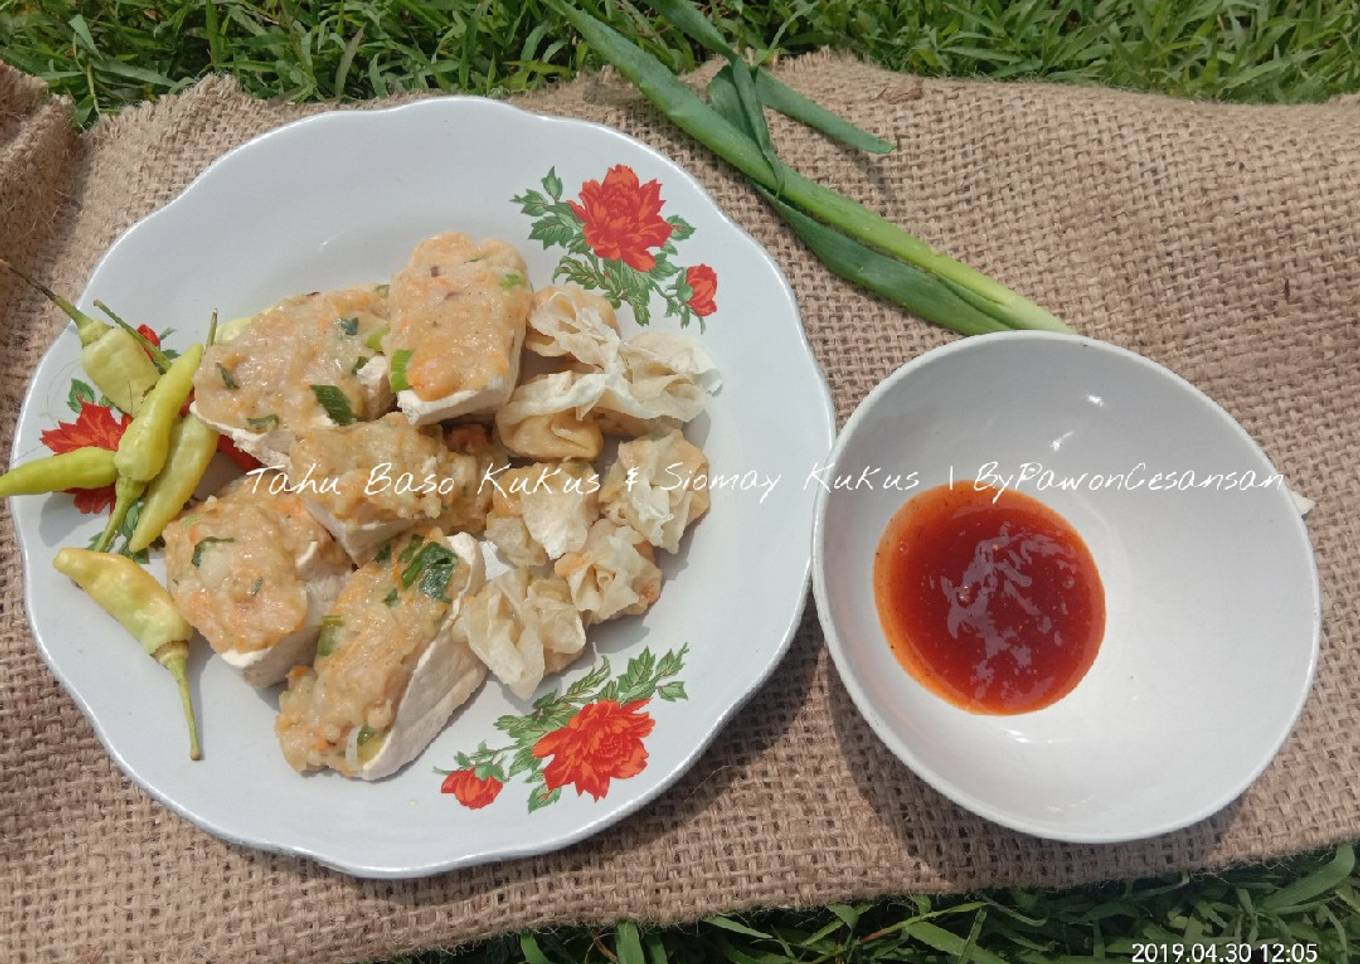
(660, 379)
(547, 417)
(613, 573)
(522, 625)
(542, 511)
(658, 486)
(573, 323)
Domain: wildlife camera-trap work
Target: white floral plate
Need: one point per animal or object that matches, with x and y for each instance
(341, 198)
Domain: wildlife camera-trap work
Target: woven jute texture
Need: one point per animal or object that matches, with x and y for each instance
(1218, 240)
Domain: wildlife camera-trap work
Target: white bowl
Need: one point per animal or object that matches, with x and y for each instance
(1212, 598)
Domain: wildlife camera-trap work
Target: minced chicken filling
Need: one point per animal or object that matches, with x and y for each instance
(380, 471)
(459, 308)
(233, 562)
(265, 377)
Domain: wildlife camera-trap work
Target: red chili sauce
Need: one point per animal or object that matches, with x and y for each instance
(994, 603)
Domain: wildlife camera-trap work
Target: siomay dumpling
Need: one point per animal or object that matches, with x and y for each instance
(572, 323)
(309, 361)
(658, 487)
(613, 574)
(458, 310)
(661, 380)
(543, 510)
(253, 572)
(389, 671)
(648, 382)
(548, 417)
(523, 624)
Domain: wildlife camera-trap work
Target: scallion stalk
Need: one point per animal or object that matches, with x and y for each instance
(691, 114)
(774, 93)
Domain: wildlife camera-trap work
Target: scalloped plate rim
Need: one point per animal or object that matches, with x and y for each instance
(628, 804)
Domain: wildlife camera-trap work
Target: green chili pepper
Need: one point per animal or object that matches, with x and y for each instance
(125, 494)
(112, 358)
(84, 468)
(145, 444)
(192, 446)
(131, 595)
(158, 358)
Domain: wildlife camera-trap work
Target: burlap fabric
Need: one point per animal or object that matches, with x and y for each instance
(1219, 240)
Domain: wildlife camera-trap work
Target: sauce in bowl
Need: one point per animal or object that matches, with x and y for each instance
(992, 601)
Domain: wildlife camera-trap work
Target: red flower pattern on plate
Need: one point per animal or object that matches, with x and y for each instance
(470, 790)
(602, 742)
(585, 736)
(622, 218)
(95, 425)
(703, 281)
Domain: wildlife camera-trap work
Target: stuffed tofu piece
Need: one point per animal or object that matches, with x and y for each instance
(459, 311)
(370, 481)
(389, 670)
(309, 361)
(254, 573)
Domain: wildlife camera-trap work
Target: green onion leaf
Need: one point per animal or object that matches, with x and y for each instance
(204, 543)
(835, 210)
(435, 581)
(745, 84)
(256, 586)
(687, 18)
(512, 279)
(366, 733)
(228, 379)
(390, 599)
(329, 636)
(335, 402)
(410, 549)
(783, 98)
(384, 554)
(263, 423)
(774, 93)
(397, 375)
(359, 363)
(919, 292)
(350, 326)
(374, 339)
(430, 569)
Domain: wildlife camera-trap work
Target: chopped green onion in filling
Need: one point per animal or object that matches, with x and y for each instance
(204, 543)
(335, 402)
(329, 636)
(397, 375)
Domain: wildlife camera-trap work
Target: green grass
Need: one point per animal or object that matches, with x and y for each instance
(1307, 902)
(107, 54)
